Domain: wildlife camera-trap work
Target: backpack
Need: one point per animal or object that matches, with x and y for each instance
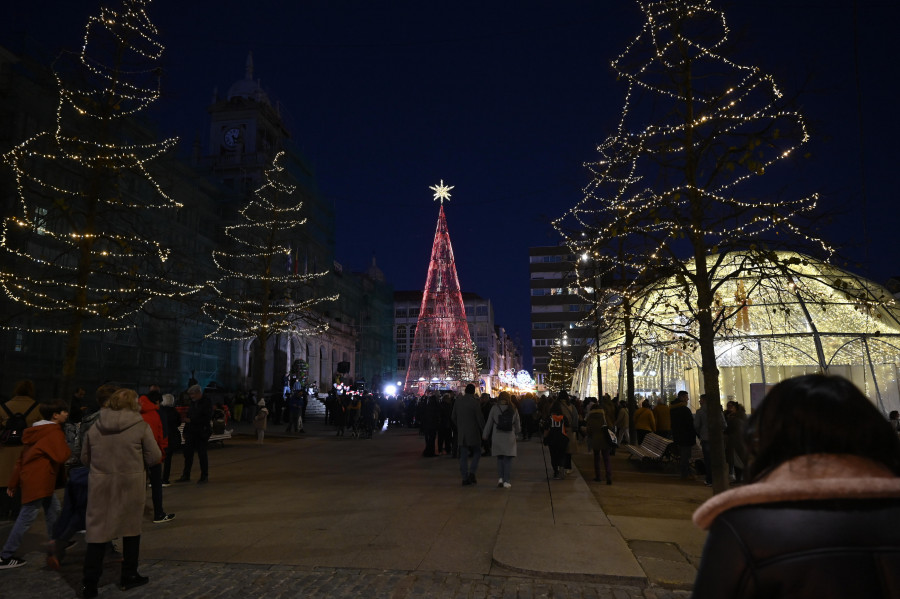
(505, 420)
(14, 427)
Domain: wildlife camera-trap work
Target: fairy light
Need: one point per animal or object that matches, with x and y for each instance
(241, 307)
(67, 247)
(843, 309)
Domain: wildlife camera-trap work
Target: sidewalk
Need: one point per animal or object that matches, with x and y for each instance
(315, 501)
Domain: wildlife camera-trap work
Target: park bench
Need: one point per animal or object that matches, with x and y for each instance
(219, 438)
(654, 449)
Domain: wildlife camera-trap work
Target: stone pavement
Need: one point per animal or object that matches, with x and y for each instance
(322, 516)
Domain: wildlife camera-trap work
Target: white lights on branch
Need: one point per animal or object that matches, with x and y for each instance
(75, 246)
(258, 288)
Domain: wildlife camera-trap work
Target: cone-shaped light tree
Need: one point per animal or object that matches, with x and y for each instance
(75, 256)
(699, 137)
(442, 348)
(259, 294)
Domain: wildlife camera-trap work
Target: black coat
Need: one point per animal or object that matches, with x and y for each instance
(844, 548)
(682, 425)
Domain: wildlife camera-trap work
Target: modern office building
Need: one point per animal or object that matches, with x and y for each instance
(556, 309)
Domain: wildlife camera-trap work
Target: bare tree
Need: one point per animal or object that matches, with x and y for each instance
(697, 136)
(75, 258)
(260, 292)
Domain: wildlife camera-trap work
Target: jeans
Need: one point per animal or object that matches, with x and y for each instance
(156, 490)
(504, 467)
(602, 454)
(684, 458)
(26, 518)
(191, 445)
(465, 452)
(704, 445)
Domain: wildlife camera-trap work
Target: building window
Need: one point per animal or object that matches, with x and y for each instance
(481, 311)
(401, 363)
(20, 338)
(414, 312)
(400, 313)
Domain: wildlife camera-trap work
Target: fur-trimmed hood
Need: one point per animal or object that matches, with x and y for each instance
(810, 477)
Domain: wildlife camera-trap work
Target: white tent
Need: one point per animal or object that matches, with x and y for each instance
(813, 317)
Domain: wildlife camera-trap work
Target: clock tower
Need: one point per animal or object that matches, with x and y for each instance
(245, 133)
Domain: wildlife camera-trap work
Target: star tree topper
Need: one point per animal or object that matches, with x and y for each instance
(441, 191)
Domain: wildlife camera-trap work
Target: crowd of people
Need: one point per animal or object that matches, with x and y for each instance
(816, 468)
(102, 451)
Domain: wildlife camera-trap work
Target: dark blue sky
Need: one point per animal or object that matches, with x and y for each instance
(505, 100)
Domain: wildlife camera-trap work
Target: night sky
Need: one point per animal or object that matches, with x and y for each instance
(506, 100)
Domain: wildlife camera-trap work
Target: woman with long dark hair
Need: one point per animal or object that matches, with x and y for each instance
(817, 518)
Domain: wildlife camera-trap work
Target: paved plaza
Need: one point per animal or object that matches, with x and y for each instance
(316, 515)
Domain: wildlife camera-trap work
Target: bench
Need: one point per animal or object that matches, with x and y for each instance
(653, 449)
(216, 438)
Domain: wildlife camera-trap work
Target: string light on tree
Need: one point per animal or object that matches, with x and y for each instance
(254, 298)
(680, 186)
(77, 256)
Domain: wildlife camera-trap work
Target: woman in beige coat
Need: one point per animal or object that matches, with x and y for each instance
(117, 449)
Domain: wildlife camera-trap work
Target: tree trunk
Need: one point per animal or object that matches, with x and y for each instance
(718, 465)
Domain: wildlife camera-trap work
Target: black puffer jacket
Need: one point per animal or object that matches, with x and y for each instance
(800, 535)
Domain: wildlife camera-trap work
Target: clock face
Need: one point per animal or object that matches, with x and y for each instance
(231, 137)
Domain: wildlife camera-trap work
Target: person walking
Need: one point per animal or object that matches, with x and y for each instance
(701, 425)
(527, 410)
(557, 438)
(663, 418)
(814, 520)
(197, 431)
(118, 449)
(260, 422)
(171, 420)
(22, 402)
(683, 433)
(571, 414)
(44, 450)
(644, 421)
(73, 516)
(150, 414)
(597, 420)
(622, 430)
(469, 421)
(502, 427)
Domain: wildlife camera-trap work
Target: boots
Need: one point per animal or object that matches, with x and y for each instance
(130, 581)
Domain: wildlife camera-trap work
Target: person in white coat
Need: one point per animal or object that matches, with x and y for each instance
(503, 442)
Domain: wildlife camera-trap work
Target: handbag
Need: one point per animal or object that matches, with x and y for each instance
(610, 437)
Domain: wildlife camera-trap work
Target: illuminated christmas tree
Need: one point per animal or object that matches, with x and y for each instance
(78, 256)
(436, 359)
(260, 293)
(561, 367)
(683, 179)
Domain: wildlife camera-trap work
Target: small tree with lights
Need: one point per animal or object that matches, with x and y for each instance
(698, 131)
(257, 296)
(77, 255)
(561, 368)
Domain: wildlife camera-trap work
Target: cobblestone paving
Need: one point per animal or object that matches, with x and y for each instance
(201, 580)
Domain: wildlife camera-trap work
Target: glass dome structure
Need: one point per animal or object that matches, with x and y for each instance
(808, 317)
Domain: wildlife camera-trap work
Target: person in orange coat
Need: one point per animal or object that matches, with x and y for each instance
(644, 421)
(44, 451)
(150, 414)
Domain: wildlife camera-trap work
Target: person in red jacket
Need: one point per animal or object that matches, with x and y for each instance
(44, 451)
(150, 414)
